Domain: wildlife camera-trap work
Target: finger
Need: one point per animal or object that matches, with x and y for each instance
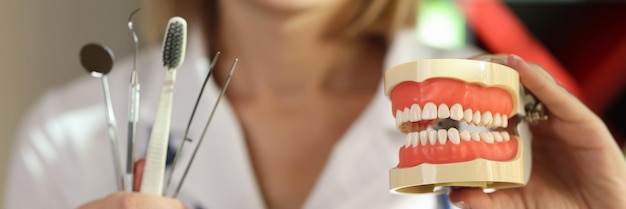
(556, 98)
(475, 198)
(495, 58)
(139, 167)
(124, 200)
(536, 79)
(96, 204)
(466, 198)
(105, 203)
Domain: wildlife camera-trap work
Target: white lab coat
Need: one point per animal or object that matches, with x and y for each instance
(62, 156)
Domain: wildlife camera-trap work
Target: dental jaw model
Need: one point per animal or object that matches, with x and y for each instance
(464, 125)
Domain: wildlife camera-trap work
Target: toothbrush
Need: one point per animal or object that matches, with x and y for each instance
(173, 55)
(186, 135)
(98, 61)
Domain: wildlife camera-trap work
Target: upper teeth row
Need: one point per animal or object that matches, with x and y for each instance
(442, 136)
(456, 112)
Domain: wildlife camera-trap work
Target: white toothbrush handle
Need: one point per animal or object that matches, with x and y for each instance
(152, 181)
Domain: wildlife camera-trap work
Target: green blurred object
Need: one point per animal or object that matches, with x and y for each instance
(441, 24)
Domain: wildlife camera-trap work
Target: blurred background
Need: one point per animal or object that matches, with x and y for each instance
(39, 46)
(586, 39)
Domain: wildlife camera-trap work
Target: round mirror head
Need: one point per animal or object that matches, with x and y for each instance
(96, 59)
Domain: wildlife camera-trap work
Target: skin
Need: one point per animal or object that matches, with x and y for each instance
(124, 200)
(295, 95)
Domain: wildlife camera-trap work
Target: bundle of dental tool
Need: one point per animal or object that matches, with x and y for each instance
(98, 61)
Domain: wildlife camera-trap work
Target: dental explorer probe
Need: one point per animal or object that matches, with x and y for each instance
(98, 61)
(193, 113)
(173, 54)
(206, 126)
(133, 110)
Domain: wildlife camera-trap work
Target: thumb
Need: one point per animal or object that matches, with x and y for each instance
(470, 198)
(475, 198)
(138, 175)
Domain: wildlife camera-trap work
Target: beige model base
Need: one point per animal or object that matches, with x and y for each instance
(481, 173)
(477, 173)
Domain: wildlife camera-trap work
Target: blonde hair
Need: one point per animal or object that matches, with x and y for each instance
(364, 18)
(376, 18)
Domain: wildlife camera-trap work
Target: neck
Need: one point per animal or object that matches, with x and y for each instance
(287, 54)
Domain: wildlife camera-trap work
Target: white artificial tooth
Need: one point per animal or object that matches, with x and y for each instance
(398, 118)
(407, 140)
(444, 111)
(442, 136)
(453, 136)
(468, 115)
(414, 139)
(487, 118)
(496, 136)
(405, 115)
(505, 121)
(487, 137)
(456, 112)
(505, 136)
(429, 112)
(432, 137)
(416, 113)
(423, 137)
(476, 118)
(475, 136)
(465, 135)
(497, 120)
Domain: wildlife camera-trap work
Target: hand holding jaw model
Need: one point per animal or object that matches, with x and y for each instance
(464, 121)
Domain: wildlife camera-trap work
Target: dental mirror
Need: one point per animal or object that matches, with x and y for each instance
(98, 61)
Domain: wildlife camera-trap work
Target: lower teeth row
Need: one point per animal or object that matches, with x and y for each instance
(454, 136)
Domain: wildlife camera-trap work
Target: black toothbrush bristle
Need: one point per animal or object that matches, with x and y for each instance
(174, 44)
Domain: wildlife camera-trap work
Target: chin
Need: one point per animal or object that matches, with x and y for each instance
(456, 115)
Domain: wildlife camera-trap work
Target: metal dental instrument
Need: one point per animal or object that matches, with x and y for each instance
(98, 61)
(133, 110)
(206, 126)
(173, 56)
(193, 113)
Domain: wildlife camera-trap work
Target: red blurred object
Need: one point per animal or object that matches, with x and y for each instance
(590, 46)
(503, 32)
